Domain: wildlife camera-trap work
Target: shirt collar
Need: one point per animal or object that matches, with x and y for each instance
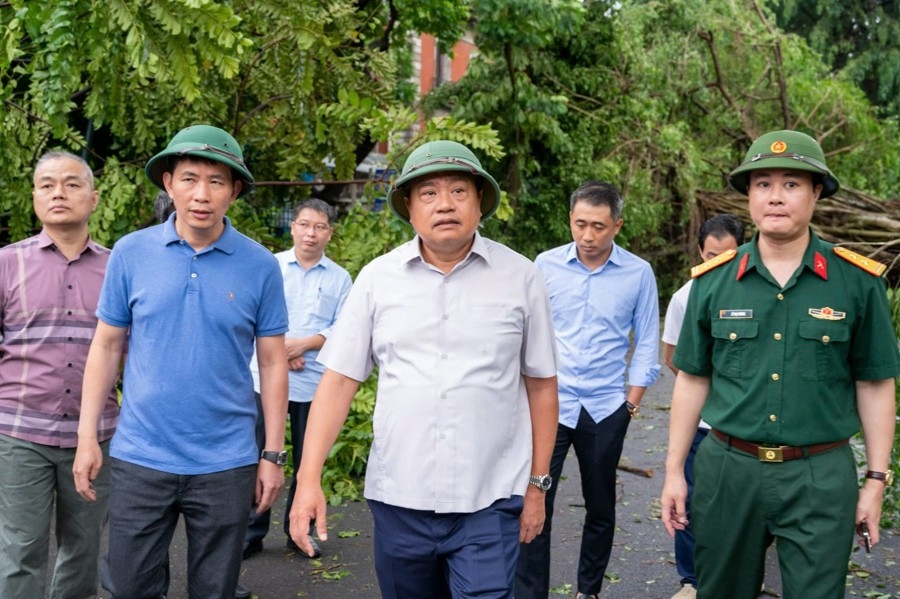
(45, 241)
(615, 255)
(412, 250)
(814, 258)
(227, 241)
(320, 264)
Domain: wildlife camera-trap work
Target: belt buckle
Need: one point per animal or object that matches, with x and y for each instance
(770, 454)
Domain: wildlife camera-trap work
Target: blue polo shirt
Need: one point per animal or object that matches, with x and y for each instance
(187, 402)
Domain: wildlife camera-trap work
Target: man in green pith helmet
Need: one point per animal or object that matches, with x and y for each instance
(787, 348)
(465, 418)
(191, 297)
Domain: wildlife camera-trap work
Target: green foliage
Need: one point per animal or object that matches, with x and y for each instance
(857, 38)
(890, 516)
(297, 83)
(661, 98)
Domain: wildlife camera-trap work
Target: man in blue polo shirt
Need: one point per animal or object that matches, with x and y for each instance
(190, 297)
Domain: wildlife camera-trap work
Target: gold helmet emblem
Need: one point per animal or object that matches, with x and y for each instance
(778, 147)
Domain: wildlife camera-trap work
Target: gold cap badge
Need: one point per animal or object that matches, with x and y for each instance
(778, 147)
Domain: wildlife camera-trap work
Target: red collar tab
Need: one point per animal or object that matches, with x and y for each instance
(742, 267)
(820, 266)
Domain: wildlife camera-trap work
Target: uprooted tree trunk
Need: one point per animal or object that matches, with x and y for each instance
(853, 219)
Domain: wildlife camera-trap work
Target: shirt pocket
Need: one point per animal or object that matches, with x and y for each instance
(823, 349)
(733, 354)
(325, 307)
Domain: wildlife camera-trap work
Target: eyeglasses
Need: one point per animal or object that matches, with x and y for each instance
(318, 228)
(214, 150)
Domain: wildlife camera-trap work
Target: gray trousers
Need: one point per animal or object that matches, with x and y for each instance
(35, 480)
(144, 508)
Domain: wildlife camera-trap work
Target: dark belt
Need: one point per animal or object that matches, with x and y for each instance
(778, 453)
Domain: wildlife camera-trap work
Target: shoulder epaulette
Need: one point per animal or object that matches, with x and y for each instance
(873, 267)
(702, 269)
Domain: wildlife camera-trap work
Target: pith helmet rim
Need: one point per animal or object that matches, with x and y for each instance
(437, 157)
(204, 141)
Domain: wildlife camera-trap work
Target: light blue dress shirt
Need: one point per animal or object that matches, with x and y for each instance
(594, 313)
(314, 300)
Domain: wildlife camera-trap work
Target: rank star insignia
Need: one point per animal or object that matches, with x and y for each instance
(778, 147)
(827, 314)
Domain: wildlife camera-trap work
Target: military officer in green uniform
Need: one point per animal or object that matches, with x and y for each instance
(787, 348)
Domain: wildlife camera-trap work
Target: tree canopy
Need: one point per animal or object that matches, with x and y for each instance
(307, 88)
(661, 98)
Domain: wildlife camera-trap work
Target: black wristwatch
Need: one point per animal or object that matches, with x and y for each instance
(633, 410)
(279, 458)
(542, 482)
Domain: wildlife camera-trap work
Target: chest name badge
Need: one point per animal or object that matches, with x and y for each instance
(827, 314)
(735, 313)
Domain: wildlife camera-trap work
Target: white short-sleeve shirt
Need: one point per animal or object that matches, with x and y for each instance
(452, 424)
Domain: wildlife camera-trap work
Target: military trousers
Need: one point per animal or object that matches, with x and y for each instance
(741, 505)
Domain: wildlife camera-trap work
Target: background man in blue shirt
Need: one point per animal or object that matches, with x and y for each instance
(600, 294)
(315, 288)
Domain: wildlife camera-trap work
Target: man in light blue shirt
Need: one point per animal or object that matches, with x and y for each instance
(315, 288)
(600, 294)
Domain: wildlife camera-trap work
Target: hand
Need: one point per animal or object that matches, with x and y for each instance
(674, 496)
(86, 468)
(269, 482)
(297, 363)
(531, 522)
(308, 506)
(868, 509)
(295, 347)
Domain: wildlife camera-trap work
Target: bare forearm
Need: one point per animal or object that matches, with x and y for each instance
(100, 373)
(877, 414)
(327, 415)
(273, 389)
(688, 398)
(297, 346)
(543, 405)
(636, 395)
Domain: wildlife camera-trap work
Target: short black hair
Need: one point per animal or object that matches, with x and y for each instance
(599, 193)
(719, 226)
(320, 206)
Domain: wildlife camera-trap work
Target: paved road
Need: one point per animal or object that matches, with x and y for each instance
(642, 563)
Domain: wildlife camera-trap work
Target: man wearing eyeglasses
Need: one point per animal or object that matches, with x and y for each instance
(190, 297)
(315, 288)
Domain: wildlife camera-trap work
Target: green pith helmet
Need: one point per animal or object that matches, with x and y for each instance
(784, 149)
(203, 141)
(438, 157)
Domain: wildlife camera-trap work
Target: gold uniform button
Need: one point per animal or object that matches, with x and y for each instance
(773, 417)
(777, 336)
(775, 376)
(825, 338)
(780, 296)
(732, 336)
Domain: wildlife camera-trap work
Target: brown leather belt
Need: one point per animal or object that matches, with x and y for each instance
(779, 453)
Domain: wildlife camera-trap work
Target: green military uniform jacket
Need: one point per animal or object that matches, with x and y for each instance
(783, 363)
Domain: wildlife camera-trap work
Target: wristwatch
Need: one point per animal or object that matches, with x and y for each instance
(633, 410)
(542, 482)
(886, 477)
(279, 458)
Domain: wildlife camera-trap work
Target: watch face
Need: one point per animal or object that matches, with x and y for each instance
(546, 482)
